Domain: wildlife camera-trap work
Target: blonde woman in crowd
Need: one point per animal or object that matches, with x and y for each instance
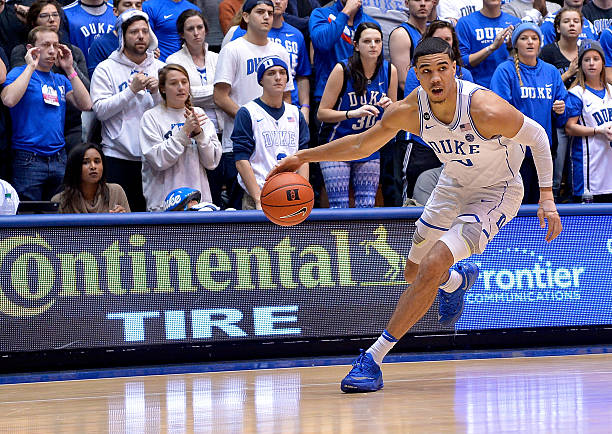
(178, 141)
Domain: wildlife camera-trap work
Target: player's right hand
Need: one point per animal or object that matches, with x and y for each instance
(288, 164)
(32, 56)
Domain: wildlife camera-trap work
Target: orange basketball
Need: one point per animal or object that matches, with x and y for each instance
(287, 199)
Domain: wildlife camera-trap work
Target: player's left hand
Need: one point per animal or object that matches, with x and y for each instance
(288, 164)
(559, 106)
(64, 59)
(547, 210)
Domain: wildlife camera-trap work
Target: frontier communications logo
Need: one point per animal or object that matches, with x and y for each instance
(526, 277)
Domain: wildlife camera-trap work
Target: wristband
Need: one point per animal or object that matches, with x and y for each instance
(594, 131)
(71, 76)
(346, 114)
(305, 105)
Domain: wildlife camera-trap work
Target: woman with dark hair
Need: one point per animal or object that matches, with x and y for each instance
(355, 96)
(85, 187)
(199, 63)
(590, 103)
(48, 13)
(563, 55)
(177, 140)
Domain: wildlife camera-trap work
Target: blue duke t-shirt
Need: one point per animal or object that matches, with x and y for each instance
(163, 15)
(37, 126)
(84, 27)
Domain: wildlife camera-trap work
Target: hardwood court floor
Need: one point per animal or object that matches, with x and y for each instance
(568, 394)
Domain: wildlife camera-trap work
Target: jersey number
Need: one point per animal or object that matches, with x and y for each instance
(364, 123)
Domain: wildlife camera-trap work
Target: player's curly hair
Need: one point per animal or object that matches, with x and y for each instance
(163, 74)
(432, 45)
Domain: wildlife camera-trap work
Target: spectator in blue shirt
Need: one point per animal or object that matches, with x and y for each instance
(87, 21)
(535, 88)
(482, 36)
(331, 31)
(38, 141)
(162, 17)
(5, 143)
(47, 13)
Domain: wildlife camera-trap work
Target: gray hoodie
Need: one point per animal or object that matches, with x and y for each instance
(115, 105)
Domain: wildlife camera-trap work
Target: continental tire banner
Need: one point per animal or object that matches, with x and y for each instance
(107, 286)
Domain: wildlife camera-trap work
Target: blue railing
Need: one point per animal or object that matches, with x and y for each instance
(164, 218)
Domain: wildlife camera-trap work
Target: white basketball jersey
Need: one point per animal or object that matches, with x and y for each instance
(469, 158)
(596, 150)
(274, 139)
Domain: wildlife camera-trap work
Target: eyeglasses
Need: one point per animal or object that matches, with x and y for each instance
(47, 16)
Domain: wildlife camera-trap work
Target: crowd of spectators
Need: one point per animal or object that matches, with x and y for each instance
(111, 107)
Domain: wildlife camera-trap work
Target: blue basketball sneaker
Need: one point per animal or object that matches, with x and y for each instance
(451, 303)
(365, 376)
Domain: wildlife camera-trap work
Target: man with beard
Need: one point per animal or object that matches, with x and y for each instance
(123, 87)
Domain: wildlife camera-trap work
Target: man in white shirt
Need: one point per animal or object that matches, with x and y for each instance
(236, 84)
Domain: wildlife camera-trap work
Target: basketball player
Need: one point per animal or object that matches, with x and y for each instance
(481, 140)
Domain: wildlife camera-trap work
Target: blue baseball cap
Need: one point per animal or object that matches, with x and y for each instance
(525, 25)
(267, 63)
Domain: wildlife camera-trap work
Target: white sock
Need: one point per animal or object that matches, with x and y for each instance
(382, 346)
(453, 283)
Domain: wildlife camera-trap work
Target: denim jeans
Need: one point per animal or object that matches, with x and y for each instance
(38, 177)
